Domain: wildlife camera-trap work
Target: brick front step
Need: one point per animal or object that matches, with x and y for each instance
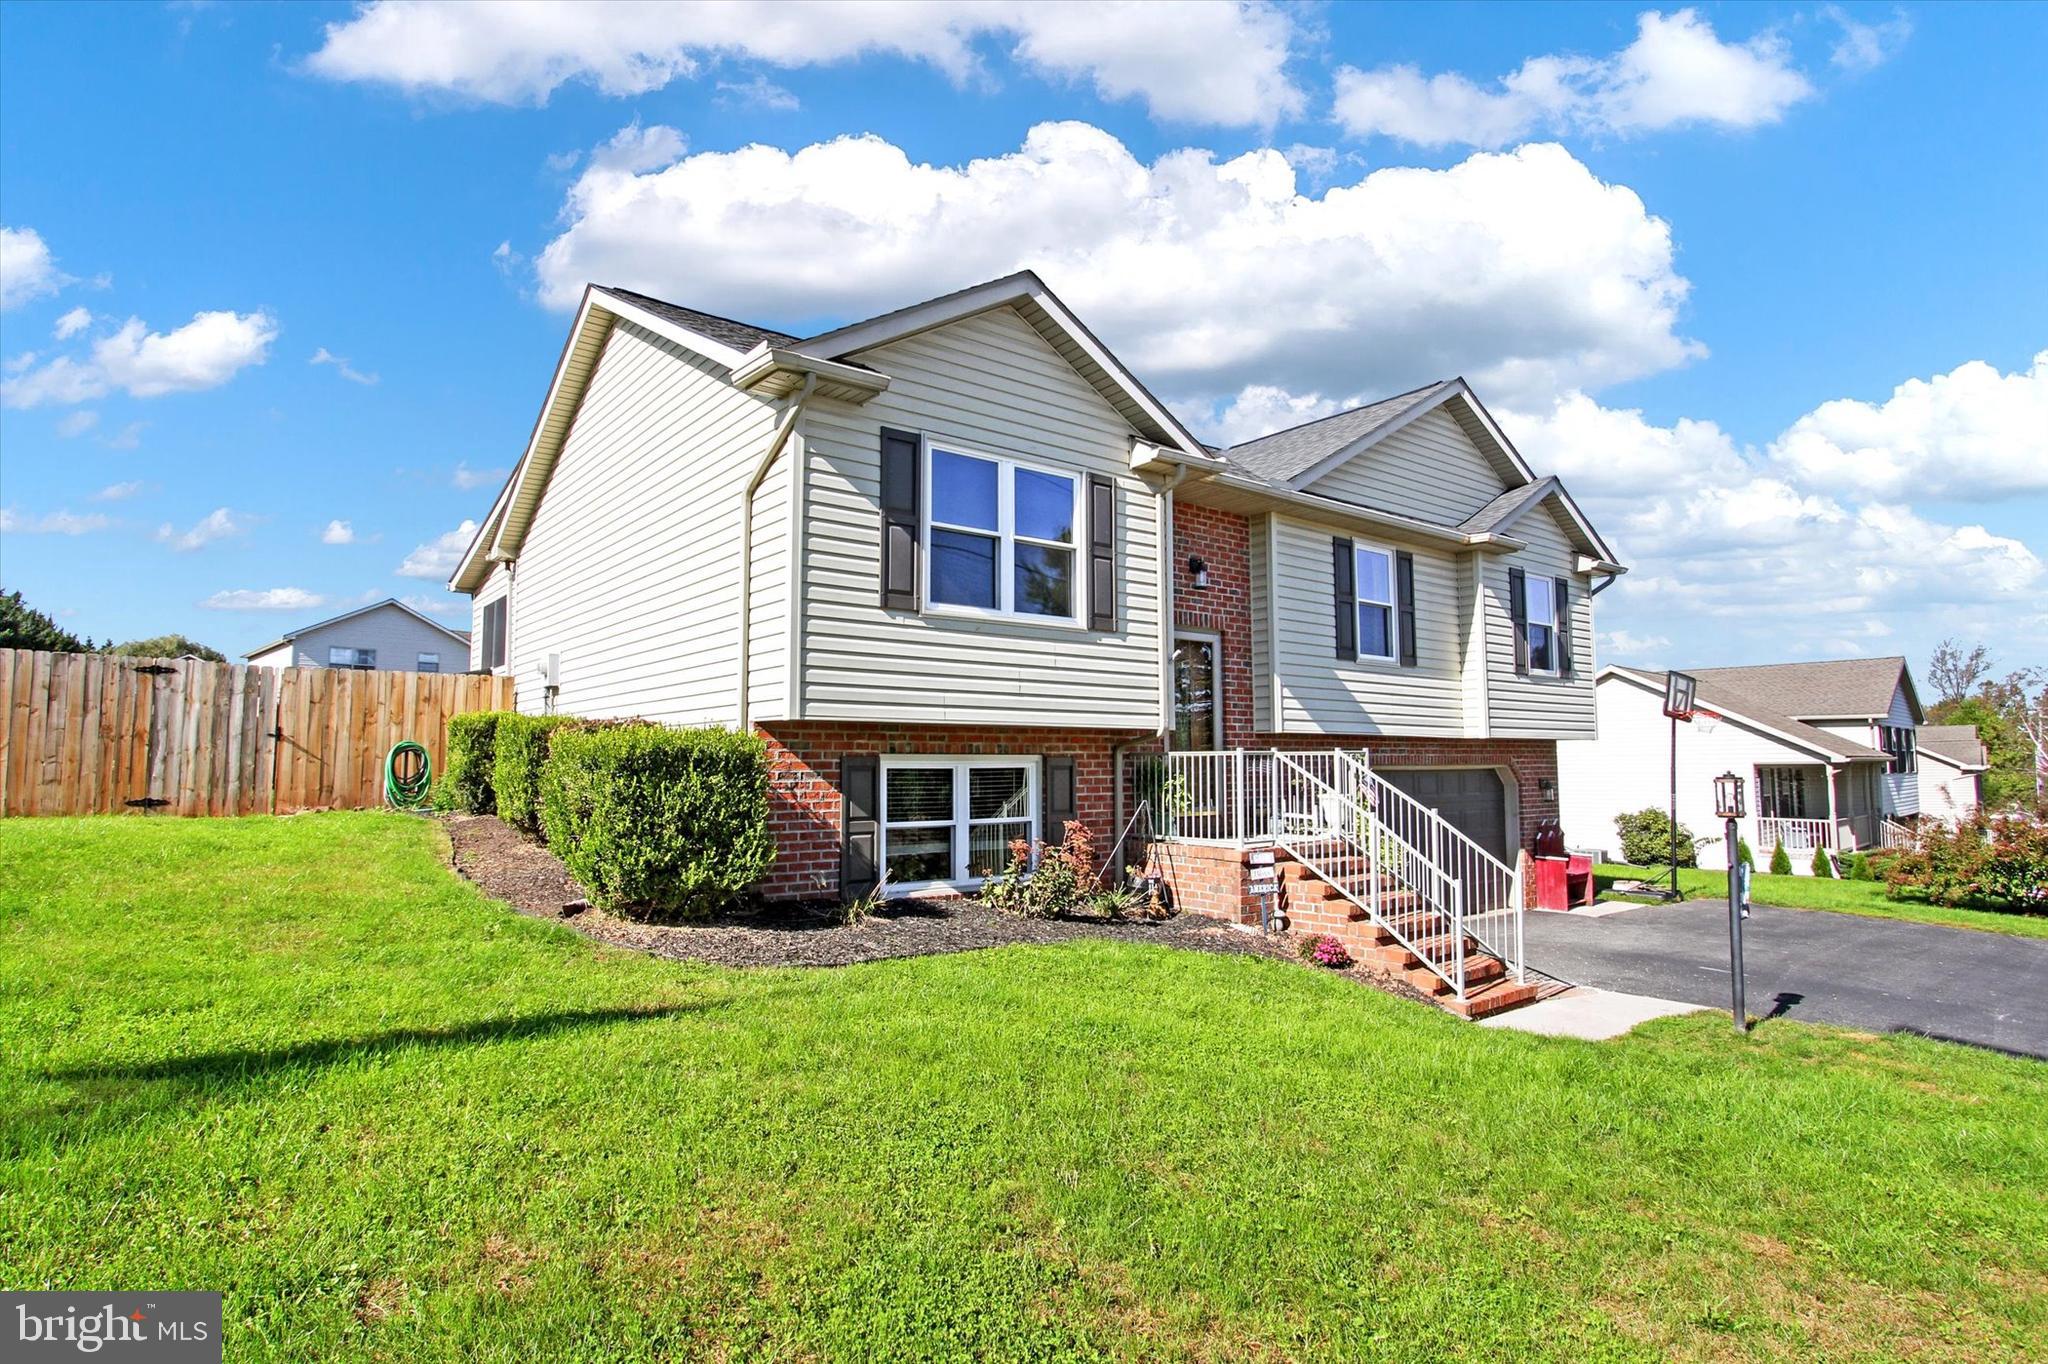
(1491, 999)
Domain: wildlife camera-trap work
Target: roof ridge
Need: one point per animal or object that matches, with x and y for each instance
(1797, 663)
(691, 308)
(1332, 416)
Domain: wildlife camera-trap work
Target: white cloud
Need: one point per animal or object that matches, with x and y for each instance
(264, 599)
(27, 269)
(77, 423)
(204, 353)
(53, 523)
(338, 533)
(758, 93)
(1765, 557)
(467, 478)
(1971, 433)
(218, 524)
(324, 356)
(1521, 270)
(118, 492)
(1677, 72)
(1617, 645)
(1186, 60)
(438, 557)
(127, 438)
(1262, 409)
(440, 606)
(1865, 47)
(72, 323)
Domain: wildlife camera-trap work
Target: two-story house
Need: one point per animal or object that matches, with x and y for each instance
(1829, 751)
(971, 580)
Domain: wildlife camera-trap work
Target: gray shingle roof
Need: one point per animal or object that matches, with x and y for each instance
(1286, 455)
(742, 336)
(1724, 700)
(1506, 505)
(1843, 688)
(1955, 743)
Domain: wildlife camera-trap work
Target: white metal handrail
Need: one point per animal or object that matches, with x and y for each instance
(1326, 825)
(1894, 834)
(1492, 888)
(1798, 835)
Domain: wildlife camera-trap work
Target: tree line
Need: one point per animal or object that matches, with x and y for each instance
(24, 627)
(2009, 713)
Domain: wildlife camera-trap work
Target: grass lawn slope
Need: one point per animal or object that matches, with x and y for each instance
(297, 1060)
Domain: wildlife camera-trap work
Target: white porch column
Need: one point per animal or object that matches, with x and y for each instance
(1834, 821)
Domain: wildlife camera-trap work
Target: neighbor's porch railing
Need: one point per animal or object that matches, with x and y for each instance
(1896, 835)
(1798, 835)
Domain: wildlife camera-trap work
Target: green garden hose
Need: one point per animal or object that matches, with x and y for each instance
(407, 789)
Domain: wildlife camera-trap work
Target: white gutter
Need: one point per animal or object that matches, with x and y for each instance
(746, 603)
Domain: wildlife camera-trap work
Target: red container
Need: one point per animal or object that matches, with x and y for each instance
(1552, 885)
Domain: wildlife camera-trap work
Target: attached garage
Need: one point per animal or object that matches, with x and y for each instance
(1472, 800)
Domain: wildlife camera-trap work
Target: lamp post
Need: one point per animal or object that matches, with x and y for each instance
(1728, 805)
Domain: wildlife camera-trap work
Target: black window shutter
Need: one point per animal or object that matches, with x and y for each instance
(1058, 800)
(1518, 614)
(1345, 566)
(484, 654)
(1101, 553)
(900, 529)
(494, 634)
(1564, 627)
(860, 781)
(1404, 600)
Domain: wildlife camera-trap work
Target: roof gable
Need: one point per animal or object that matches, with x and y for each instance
(1796, 733)
(459, 636)
(1835, 689)
(1300, 455)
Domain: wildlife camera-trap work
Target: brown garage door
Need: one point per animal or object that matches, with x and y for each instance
(1471, 800)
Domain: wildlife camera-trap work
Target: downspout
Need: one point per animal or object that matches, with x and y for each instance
(1117, 751)
(1603, 585)
(746, 603)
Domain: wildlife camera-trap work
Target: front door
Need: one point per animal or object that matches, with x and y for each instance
(1197, 692)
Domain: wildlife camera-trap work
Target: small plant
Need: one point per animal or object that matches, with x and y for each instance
(1823, 865)
(1646, 840)
(1781, 861)
(1743, 856)
(1044, 881)
(1117, 902)
(1324, 950)
(1860, 868)
(861, 908)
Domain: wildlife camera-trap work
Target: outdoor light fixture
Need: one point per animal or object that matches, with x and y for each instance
(1198, 569)
(1728, 805)
(1728, 796)
(1546, 786)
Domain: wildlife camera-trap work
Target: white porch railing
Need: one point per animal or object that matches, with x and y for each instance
(1894, 834)
(1798, 835)
(1417, 875)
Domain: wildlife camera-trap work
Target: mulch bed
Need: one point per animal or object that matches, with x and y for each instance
(508, 866)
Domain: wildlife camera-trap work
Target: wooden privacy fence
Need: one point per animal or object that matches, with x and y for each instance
(92, 734)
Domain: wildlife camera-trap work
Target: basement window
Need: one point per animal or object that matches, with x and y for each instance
(949, 822)
(361, 660)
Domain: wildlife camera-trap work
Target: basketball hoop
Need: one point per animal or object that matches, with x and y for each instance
(1680, 691)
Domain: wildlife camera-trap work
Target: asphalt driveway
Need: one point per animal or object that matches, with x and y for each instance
(1879, 975)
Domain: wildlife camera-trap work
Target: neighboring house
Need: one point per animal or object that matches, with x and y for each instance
(982, 567)
(387, 635)
(1953, 762)
(1827, 752)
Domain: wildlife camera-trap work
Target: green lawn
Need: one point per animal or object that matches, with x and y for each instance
(298, 1061)
(1814, 892)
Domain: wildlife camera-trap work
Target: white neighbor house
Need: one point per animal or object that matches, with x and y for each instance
(387, 635)
(1827, 752)
(1952, 766)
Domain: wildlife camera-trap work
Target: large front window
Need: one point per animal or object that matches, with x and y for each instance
(951, 821)
(1002, 536)
(1375, 603)
(1542, 626)
(1899, 746)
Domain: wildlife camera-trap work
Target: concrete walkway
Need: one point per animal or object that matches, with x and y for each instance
(1881, 975)
(1583, 1011)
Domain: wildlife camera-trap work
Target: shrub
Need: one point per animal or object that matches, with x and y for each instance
(1823, 865)
(466, 784)
(519, 748)
(2000, 862)
(1859, 868)
(1324, 950)
(661, 821)
(1781, 861)
(1743, 855)
(1063, 875)
(1646, 840)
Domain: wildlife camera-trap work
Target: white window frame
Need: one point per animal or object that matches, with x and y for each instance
(420, 659)
(1530, 623)
(355, 654)
(1006, 537)
(962, 878)
(1359, 601)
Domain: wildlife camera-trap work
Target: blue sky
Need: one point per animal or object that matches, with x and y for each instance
(1690, 257)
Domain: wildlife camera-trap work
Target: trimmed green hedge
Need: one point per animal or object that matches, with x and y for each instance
(519, 749)
(466, 785)
(662, 821)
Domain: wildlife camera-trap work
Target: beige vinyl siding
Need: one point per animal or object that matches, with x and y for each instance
(1472, 651)
(631, 570)
(768, 596)
(1321, 693)
(1428, 469)
(989, 384)
(1538, 707)
(1262, 545)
